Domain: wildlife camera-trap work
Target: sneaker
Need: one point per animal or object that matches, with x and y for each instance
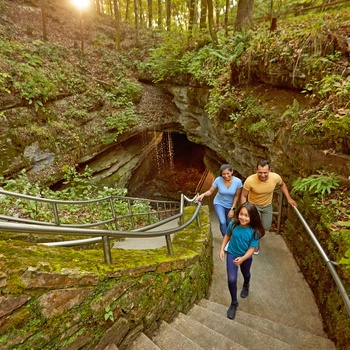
(231, 312)
(245, 291)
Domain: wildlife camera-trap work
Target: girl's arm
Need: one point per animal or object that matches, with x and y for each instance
(223, 245)
(238, 261)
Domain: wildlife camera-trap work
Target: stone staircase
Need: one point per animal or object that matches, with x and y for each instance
(280, 312)
(206, 327)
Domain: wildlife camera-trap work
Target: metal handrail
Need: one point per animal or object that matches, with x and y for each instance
(172, 206)
(330, 263)
(32, 226)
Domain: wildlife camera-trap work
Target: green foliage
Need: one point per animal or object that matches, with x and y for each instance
(165, 60)
(333, 86)
(77, 186)
(108, 314)
(292, 111)
(320, 184)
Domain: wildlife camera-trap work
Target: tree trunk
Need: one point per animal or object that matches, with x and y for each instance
(192, 4)
(227, 6)
(43, 17)
(110, 8)
(211, 22)
(117, 24)
(127, 11)
(150, 14)
(136, 21)
(97, 6)
(141, 14)
(203, 16)
(160, 16)
(217, 13)
(168, 15)
(244, 18)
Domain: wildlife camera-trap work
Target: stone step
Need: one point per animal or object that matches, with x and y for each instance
(204, 336)
(293, 336)
(217, 331)
(142, 342)
(169, 338)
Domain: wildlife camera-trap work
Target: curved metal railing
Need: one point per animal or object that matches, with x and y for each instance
(176, 209)
(330, 263)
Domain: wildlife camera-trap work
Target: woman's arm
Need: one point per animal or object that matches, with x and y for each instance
(236, 197)
(206, 193)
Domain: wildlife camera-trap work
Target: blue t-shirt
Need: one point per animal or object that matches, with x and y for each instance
(241, 240)
(225, 195)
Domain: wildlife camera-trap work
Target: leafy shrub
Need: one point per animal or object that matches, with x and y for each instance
(319, 184)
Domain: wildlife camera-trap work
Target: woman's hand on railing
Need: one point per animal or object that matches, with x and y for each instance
(194, 199)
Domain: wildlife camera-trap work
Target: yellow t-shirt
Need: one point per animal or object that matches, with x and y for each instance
(261, 192)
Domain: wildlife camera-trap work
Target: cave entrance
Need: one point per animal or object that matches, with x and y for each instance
(174, 166)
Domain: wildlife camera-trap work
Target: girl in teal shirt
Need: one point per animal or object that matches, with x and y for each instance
(243, 236)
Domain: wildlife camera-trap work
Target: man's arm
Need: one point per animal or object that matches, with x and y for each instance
(244, 195)
(285, 191)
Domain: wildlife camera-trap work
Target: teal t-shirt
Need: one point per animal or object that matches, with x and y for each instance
(242, 238)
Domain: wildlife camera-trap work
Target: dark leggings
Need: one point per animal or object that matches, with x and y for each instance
(232, 274)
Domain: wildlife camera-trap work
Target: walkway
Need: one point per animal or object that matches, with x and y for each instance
(280, 312)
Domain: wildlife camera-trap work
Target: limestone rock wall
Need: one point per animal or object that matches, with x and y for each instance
(81, 302)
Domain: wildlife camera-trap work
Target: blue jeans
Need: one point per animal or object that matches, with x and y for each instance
(221, 213)
(232, 274)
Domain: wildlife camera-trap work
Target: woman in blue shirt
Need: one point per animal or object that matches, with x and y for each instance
(242, 237)
(229, 191)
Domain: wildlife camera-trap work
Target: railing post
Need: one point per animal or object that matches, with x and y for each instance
(55, 213)
(279, 216)
(131, 215)
(113, 213)
(169, 244)
(182, 199)
(107, 250)
(198, 220)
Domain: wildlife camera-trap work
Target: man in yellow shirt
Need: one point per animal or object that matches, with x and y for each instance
(259, 188)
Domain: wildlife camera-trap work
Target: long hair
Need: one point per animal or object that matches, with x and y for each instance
(255, 220)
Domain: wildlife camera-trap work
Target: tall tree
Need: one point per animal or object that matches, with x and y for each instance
(203, 15)
(244, 18)
(43, 18)
(168, 15)
(227, 8)
(150, 14)
(160, 15)
(117, 24)
(97, 6)
(217, 12)
(136, 20)
(211, 22)
(127, 11)
(141, 14)
(191, 4)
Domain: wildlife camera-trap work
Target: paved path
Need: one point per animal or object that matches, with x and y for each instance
(146, 243)
(278, 289)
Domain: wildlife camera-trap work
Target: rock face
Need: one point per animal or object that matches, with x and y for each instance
(135, 159)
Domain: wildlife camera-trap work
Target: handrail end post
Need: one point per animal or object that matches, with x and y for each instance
(107, 250)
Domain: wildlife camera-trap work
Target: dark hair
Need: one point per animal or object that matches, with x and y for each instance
(263, 163)
(224, 167)
(255, 220)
